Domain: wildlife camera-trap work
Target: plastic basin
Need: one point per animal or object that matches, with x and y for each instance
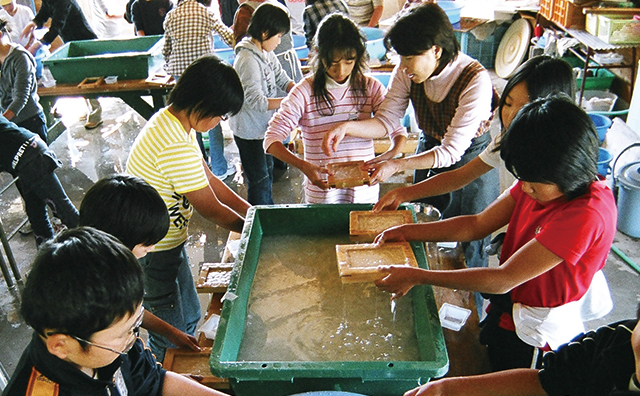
(604, 158)
(452, 9)
(300, 46)
(375, 42)
(382, 77)
(602, 123)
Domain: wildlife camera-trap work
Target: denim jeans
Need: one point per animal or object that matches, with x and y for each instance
(217, 162)
(257, 167)
(47, 192)
(471, 199)
(36, 124)
(170, 294)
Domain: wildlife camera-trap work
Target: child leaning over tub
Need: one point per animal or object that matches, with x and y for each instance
(562, 221)
(338, 91)
(261, 75)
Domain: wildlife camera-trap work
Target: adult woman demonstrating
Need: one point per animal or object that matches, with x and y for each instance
(536, 78)
(452, 94)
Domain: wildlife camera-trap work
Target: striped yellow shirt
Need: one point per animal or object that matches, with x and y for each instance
(170, 160)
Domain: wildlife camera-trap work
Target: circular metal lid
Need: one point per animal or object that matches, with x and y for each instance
(630, 175)
(513, 48)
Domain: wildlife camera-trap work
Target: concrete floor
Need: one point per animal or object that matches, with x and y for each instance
(90, 155)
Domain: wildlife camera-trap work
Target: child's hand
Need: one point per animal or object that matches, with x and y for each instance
(399, 280)
(316, 175)
(184, 340)
(393, 234)
(381, 171)
(332, 139)
(390, 201)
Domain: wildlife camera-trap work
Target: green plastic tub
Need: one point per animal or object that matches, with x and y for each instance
(601, 79)
(129, 59)
(280, 377)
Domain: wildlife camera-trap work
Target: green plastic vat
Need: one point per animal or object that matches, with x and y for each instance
(282, 378)
(129, 59)
(600, 80)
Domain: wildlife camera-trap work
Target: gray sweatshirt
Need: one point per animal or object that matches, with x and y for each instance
(18, 85)
(261, 75)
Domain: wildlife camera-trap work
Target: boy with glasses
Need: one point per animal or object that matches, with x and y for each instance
(83, 298)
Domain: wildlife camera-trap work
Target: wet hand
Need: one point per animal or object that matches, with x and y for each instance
(381, 171)
(393, 234)
(390, 201)
(317, 175)
(398, 280)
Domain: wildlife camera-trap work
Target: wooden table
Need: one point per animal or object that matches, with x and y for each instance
(130, 91)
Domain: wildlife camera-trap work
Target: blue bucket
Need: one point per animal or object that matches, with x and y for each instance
(375, 42)
(604, 158)
(452, 9)
(602, 123)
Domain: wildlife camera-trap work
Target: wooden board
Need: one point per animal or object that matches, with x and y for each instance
(91, 82)
(214, 277)
(365, 225)
(359, 263)
(184, 361)
(347, 174)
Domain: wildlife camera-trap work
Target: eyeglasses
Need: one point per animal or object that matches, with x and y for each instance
(135, 333)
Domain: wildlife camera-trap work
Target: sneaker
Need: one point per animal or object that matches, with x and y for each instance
(94, 119)
(26, 229)
(231, 170)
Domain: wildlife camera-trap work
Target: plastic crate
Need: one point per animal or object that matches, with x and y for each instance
(281, 378)
(600, 80)
(567, 14)
(591, 23)
(546, 9)
(618, 30)
(129, 59)
(482, 50)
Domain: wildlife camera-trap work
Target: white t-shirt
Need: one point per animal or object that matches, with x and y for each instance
(17, 22)
(489, 155)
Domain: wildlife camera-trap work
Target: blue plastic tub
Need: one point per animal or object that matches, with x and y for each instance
(222, 50)
(452, 9)
(375, 42)
(602, 123)
(604, 159)
(383, 77)
(300, 46)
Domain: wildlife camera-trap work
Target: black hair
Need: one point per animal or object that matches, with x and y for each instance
(208, 87)
(4, 26)
(81, 282)
(543, 75)
(337, 35)
(419, 29)
(269, 18)
(552, 140)
(126, 207)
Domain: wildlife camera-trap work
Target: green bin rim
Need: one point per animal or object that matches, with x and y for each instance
(368, 370)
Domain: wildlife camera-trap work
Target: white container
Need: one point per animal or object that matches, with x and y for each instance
(453, 317)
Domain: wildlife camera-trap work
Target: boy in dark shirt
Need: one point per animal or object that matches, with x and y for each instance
(83, 299)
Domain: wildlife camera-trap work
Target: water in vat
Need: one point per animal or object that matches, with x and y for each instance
(299, 310)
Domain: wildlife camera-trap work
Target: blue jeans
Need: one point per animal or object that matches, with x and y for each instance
(257, 167)
(217, 162)
(36, 124)
(470, 199)
(170, 294)
(40, 191)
